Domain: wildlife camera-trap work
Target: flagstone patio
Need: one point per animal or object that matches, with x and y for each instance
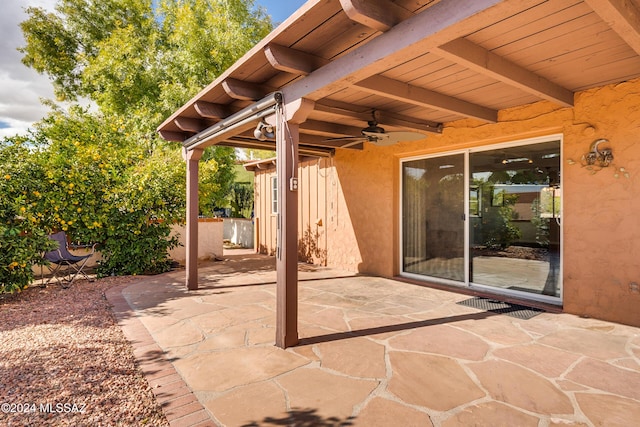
(372, 352)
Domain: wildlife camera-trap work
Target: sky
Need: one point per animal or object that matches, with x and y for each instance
(21, 88)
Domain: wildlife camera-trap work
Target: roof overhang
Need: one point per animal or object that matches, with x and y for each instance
(413, 65)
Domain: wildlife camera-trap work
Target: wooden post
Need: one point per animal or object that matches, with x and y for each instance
(192, 157)
(287, 240)
(287, 138)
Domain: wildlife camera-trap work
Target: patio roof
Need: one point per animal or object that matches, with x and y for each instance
(418, 65)
(336, 66)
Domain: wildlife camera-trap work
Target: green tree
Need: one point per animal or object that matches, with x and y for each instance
(131, 57)
(215, 188)
(103, 175)
(241, 200)
(99, 185)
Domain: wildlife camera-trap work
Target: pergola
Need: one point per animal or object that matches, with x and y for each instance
(412, 64)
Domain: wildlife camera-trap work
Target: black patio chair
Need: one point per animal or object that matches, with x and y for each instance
(63, 265)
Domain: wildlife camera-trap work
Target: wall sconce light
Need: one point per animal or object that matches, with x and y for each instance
(264, 131)
(601, 158)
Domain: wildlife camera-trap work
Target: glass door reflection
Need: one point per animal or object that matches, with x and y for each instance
(514, 218)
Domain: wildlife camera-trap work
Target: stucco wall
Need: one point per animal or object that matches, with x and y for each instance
(601, 227)
(600, 223)
(210, 239)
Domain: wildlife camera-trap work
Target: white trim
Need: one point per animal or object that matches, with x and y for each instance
(517, 294)
(467, 220)
(519, 142)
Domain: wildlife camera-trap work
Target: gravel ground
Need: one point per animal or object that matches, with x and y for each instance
(65, 362)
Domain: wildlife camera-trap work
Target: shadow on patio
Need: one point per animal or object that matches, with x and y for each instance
(373, 351)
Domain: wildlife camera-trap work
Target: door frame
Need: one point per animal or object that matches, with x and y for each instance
(467, 284)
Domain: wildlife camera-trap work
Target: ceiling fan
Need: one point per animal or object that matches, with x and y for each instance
(378, 136)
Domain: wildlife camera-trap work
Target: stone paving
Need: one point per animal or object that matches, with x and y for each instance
(374, 352)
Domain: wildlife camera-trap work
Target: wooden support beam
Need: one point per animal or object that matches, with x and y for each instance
(192, 157)
(488, 63)
(415, 95)
(210, 110)
(291, 60)
(265, 165)
(340, 109)
(168, 135)
(315, 127)
(623, 16)
(321, 148)
(435, 26)
(287, 240)
(287, 229)
(241, 90)
(189, 125)
(381, 15)
(406, 122)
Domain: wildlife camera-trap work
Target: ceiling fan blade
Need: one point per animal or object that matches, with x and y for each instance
(406, 136)
(347, 139)
(390, 138)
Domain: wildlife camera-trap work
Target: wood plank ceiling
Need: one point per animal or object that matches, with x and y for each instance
(420, 63)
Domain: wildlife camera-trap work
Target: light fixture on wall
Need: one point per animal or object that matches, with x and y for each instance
(598, 157)
(264, 131)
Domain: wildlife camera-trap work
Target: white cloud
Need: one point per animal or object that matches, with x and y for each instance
(21, 88)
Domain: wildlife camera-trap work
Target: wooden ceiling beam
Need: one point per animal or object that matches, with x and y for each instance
(189, 125)
(393, 89)
(311, 138)
(488, 63)
(623, 17)
(210, 110)
(339, 108)
(315, 127)
(321, 141)
(303, 149)
(168, 135)
(381, 15)
(406, 122)
(241, 90)
(292, 60)
(358, 112)
(435, 26)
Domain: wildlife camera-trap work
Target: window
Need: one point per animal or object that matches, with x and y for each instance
(274, 195)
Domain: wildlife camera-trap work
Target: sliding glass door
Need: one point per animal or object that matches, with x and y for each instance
(486, 218)
(433, 217)
(514, 237)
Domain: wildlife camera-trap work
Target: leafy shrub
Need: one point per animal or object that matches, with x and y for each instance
(103, 186)
(22, 238)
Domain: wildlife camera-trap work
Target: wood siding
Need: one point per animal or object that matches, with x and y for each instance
(313, 178)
